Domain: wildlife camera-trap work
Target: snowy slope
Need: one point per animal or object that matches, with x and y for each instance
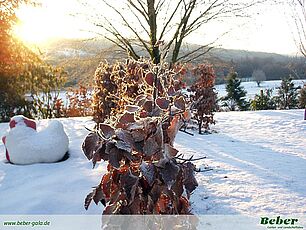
(258, 161)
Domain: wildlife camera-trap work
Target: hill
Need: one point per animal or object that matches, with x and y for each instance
(81, 57)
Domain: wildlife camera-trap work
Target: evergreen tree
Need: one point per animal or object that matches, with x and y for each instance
(263, 101)
(235, 98)
(287, 97)
(302, 98)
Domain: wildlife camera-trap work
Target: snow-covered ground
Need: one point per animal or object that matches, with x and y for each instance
(258, 161)
(252, 88)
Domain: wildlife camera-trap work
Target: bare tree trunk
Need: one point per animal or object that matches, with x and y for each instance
(155, 53)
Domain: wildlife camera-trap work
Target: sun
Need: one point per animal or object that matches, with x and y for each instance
(40, 24)
(33, 26)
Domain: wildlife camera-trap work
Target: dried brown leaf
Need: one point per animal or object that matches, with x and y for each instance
(189, 180)
(114, 154)
(88, 200)
(129, 183)
(127, 118)
(169, 173)
(138, 135)
(177, 187)
(96, 195)
(149, 78)
(106, 130)
(148, 106)
(170, 151)
(162, 103)
(171, 91)
(90, 144)
(148, 171)
(122, 145)
(99, 154)
(151, 147)
(132, 108)
(180, 103)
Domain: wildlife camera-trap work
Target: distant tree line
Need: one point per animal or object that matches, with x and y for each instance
(273, 68)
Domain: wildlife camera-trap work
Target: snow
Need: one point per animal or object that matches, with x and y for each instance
(25, 145)
(258, 163)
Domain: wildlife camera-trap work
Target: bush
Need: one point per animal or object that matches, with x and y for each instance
(145, 174)
(203, 96)
(287, 94)
(79, 102)
(264, 100)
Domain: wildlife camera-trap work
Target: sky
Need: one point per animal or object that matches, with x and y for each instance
(269, 31)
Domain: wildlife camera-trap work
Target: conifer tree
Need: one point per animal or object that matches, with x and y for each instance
(302, 98)
(235, 98)
(264, 100)
(287, 97)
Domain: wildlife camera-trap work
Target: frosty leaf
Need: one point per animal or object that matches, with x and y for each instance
(90, 144)
(149, 78)
(180, 103)
(101, 152)
(88, 200)
(99, 155)
(169, 173)
(151, 147)
(162, 102)
(138, 135)
(140, 97)
(96, 195)
(170, 151)
(177, 187)
(114, 154)
(129, 183)
(127, 118)
(171, 91)
(148, 172)
(131, 108)
(148, 106)
(123, 146)
(115, 158)
(125, 136)
(107, 130)
(189, 180)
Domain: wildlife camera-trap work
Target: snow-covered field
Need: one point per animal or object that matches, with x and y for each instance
(258, 161)
(252, 88)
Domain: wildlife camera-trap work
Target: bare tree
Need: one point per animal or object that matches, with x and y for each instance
(259, 76)
(299, 16)
(159, 27)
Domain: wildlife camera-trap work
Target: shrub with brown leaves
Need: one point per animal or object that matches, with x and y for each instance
(145, 173)
(204, 97)
(79, 102)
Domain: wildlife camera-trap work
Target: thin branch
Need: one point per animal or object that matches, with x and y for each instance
(128, 25)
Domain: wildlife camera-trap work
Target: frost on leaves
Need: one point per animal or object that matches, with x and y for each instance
(144, 175)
